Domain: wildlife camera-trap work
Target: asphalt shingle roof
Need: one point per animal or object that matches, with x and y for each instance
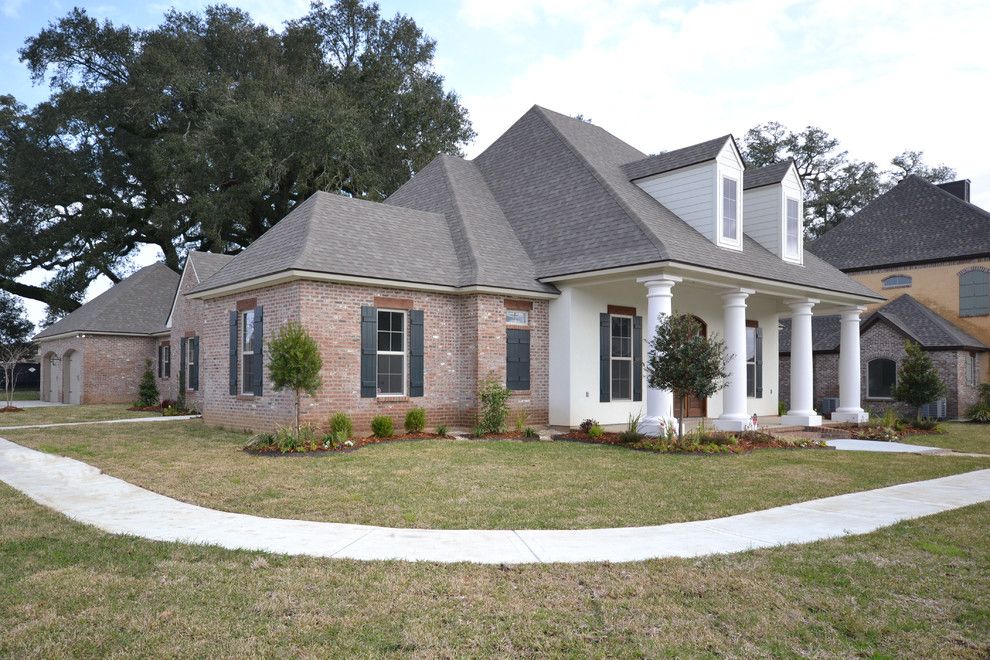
(138, 305)
(919, 322)
(206, 264)
(914, 222)
(756, 177)
(676, 159)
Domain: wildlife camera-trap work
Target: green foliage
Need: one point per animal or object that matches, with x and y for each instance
(493, 397)
(782, 408)
(205, 131)
(587, 424)
(295, 362)
(684, 361)
(632, 433)
(382, 426)
(918, 381)
(520, 421)
(415, 420)
(441, 430)
(478, 432)
(530, 433)
(979, 413)
(148, 390)
(596, 431)
(15, 326)
(340, 426)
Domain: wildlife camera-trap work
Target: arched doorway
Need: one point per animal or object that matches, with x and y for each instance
(71, 376)
(696, 407)
(47, 378)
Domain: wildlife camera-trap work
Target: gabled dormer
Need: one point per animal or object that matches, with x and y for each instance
(774, 208)
(702, 184)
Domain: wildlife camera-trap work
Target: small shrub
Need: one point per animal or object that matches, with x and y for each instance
(285, 439)
(632, 433)
(147, 390)
(520, 421)
(587, 424)
(530, 433)
(382, 426)
(494, 404)
(340, 425)
(926, 424)
(477, 432)
(596, 431)
(415, 420)
(782, 408)
(979, 413)
(441, 430)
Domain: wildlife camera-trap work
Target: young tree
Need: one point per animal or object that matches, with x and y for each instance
(295, 362)
(685, 362)
(147, 390)
(15, 341)
(918, 382)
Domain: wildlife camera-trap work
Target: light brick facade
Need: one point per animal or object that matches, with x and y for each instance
(110, 367)
(187, 322)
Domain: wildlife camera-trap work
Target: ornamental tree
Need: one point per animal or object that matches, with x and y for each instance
(681, 359)
(918, 381)
(15, 342)
(295, 363)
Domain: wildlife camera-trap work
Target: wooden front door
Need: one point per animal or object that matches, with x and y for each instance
(696, 407)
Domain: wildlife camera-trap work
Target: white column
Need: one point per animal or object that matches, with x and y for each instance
(734, 416)
(850, 409)
(802, 411)
(659, 302)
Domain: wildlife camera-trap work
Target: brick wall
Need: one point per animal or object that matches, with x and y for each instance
(187, 320)
(464, 339)
(110, 369)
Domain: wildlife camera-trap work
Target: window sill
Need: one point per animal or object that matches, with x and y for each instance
(244, 397)
(520, 392)
(391, 398)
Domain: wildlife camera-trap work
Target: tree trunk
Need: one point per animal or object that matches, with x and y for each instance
(680, 419)
(297, 414)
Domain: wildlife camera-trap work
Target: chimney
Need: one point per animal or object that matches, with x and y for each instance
(958, 188)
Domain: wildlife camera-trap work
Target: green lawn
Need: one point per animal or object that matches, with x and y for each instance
(959, 436)
(918, 589)
(473, 484)
(59, 414)
(25, 395)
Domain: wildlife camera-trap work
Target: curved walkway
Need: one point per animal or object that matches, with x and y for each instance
(83, 493)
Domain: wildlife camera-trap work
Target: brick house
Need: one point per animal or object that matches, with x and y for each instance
(545, 263)
(926, 249)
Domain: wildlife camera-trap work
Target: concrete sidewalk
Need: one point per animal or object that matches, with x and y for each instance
(128, 420)
(83, 493)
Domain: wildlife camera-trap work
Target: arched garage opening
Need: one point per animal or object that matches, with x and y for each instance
(47, 377)
(72, 376)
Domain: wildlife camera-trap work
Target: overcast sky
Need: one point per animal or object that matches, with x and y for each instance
(882, 76)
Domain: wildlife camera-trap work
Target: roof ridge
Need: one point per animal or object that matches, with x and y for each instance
(647, 233)
(472, 265)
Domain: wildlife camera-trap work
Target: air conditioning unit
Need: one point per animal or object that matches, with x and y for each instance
(829, 405)
(934, 410)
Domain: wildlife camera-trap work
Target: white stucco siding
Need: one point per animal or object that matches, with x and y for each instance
(764, 219)
(791, 187)
(688, 192)
(574, 348)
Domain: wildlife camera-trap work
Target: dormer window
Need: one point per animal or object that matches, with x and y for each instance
(730, 206)
(793, 229)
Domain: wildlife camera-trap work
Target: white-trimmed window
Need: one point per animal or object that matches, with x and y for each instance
(164, 361)
(621, 357)
(881, 378)
(973, 369)
(896, 281)
(516, 317)
(191, 361)
(793, 229)
(391, 353)
(247, 352)
(730, 209)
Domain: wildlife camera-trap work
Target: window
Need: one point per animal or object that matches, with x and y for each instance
(730, 199)
(895, 281)
(974, 293)
(516, 317)
(754, 360)
(621, 343)
(247, 352)
(391, 353)
(164, 361)
(973, 369)
(793, 228)
(881, 378)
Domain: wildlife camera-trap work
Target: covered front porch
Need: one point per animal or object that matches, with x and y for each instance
(600, 326)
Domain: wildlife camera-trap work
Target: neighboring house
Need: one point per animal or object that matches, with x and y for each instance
(928, 244)
(97, 353)
(545, 262)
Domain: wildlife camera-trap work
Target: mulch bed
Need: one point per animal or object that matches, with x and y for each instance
(156, 409)
(863, 432)
(6, 409)
(507, 435)
(358, 443)
(745, 442)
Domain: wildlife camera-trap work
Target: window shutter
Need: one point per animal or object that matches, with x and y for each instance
(416, 352)
(194, 367)
(161, 350)
(637, 338)
(759, 363)
(369, 351)
(168, 364)
(259, 351)
(604, 387)
(232, 353)
(517, 359)
(182, 360)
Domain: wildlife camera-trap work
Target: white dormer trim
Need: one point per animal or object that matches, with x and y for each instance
(792, 189)
(729, 166)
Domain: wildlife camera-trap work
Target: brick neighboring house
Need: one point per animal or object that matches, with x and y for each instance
(926, 249)
(545, 262)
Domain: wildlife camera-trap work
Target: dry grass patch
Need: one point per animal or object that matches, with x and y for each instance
(472, 484)
(63, 414)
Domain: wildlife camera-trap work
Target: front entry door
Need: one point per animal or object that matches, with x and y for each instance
(695, 406)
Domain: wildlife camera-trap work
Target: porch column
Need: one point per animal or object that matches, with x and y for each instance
(802, 412)
(850, 409)
(659, 403)
(734, 416)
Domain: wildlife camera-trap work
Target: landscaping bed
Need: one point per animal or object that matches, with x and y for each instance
(11, 409)
(710, 442)
(268, 445)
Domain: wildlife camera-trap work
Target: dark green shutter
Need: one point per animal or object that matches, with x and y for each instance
(759, 363)
(182, 361)
(416, 352)
(517, 359)
(605, 387)
(194, 367)
(637, 375)
(369, 351)
(161, 349)
(232, 354)
(258, 361)
(168, 363)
